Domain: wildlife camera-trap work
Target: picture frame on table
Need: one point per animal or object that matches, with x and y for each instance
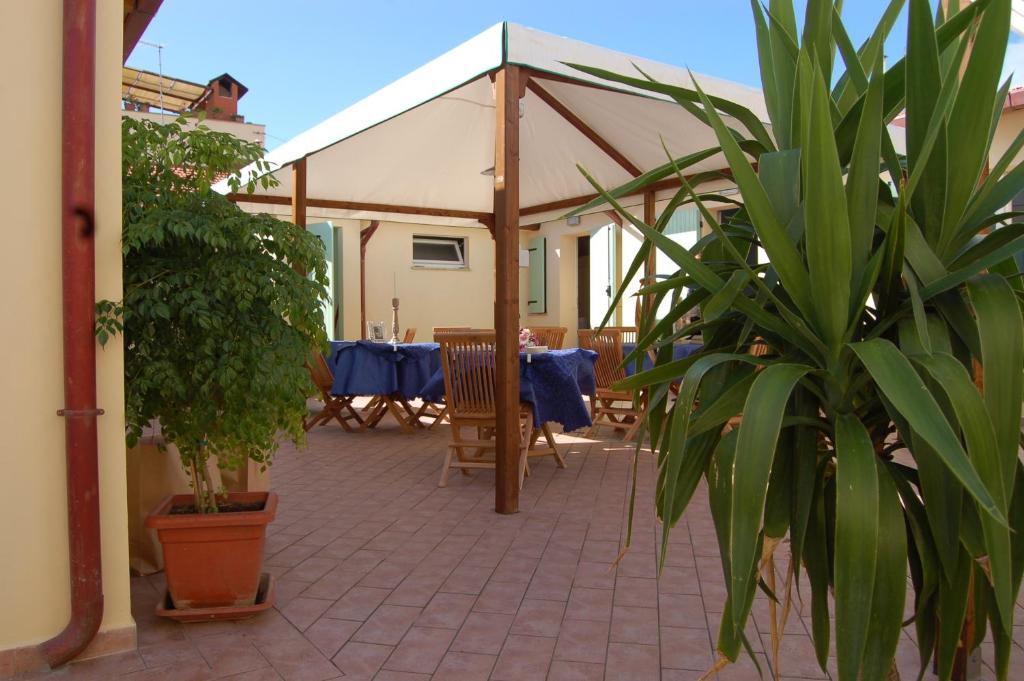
(375, 332)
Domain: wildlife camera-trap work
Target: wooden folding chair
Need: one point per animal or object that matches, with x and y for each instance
(467, 360)
(410, 335)
(604, 412)
(336, 407)
(550, 336)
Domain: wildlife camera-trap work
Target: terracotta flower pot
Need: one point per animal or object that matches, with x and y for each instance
(215, 559)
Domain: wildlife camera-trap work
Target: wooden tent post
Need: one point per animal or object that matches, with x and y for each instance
(507, 92)
(364, 238)
(651, 264)
(299, 192)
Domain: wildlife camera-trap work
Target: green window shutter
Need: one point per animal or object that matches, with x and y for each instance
(683, 220)
(325, 230)
(538, 291)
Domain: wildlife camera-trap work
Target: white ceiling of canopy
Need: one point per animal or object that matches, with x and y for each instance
(426, 139)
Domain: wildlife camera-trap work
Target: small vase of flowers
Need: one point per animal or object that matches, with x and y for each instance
(526, 340)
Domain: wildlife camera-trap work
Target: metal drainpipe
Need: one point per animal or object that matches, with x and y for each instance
(78, 198)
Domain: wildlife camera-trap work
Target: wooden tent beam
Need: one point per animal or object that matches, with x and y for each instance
(581, 125)
(267, 199)
(364, 238)
(575, 201)
(507, 89)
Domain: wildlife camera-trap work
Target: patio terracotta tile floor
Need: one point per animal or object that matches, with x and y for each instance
(383, 575)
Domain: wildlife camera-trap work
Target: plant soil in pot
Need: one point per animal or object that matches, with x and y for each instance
(213, 559)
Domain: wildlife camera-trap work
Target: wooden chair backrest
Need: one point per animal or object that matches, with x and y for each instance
(551, 336)
(410, 335)
(449, 329)
(629, 333)
(758, 348)
(323, 379)
(467, 359)
(608, 345)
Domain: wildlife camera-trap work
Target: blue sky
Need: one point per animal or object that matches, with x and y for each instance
(304, 60)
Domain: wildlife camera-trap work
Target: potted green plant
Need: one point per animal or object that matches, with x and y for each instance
(881, 432)
(221, 309)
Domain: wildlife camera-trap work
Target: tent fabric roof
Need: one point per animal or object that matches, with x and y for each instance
(427, 139)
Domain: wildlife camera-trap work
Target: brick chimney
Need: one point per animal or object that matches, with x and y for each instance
(220, 101)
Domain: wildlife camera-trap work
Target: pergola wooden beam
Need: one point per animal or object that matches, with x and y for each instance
(299, 200)
(507, 92)
(364, 238)
(573, 202)
(581, 125)
(267, 199)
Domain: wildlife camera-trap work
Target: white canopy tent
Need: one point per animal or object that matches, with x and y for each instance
(425, 141)
(489, 134)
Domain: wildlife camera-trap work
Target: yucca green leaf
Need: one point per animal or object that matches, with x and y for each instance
(922, 96)
(1001, 332)
(997, 190)
(896, 76)
(826, 222)
(862, 177)
(779, 172)
(817, 563)
(856, 542)
(994, 241)
(685, 95)
(868, 53)
(638, 183)
(972, 113)
(805, 472)
(969, 269)
(758, 434)
(728, 404)
(895, 376)
(890, 585)
(923, 547)
(952, 609)
(980, 438)
(817, 35)
(920, 317)
(780, 249)
(677, 459)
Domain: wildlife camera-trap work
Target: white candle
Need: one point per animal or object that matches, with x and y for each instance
(396, 284)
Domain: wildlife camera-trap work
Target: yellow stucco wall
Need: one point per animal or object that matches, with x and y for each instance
(1009, 126)
(427, 297)
(34, 591)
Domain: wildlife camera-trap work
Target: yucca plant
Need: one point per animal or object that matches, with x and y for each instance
(880, 433)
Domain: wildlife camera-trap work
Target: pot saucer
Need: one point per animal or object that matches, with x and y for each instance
(264, 600)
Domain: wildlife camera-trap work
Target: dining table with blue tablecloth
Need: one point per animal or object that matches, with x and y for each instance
(679, 351)
(554, 382)
(393, 374)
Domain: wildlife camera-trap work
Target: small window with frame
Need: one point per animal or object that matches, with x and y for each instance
(440, 252)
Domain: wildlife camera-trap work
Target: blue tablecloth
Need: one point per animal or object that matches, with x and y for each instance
(553, 382)
(679, 351)
(365, 368)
